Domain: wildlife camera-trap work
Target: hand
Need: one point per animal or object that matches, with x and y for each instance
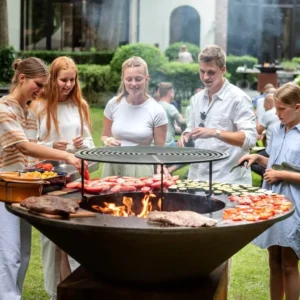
(184, 139)
(112, 142)
(272, 176)
(203, 133)
(251, 158)
(78, 142)
(60, 145)
(165, 170)
(74, 161)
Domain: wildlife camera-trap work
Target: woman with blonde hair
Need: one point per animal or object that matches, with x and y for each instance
(18, 146)
(65, 124)
(133, 118)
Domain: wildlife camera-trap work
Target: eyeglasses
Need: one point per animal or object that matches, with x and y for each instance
(203, 117)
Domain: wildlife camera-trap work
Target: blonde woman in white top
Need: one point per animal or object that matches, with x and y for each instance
(64, 123)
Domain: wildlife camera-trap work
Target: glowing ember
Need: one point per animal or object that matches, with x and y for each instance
(125, 210)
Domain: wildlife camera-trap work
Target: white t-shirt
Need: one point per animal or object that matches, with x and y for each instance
(260, 110)
(269, 120)
(185, 57)
(134, 124)
(69, 126)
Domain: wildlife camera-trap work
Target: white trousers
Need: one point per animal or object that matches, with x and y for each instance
(15, 246)
(51, 256)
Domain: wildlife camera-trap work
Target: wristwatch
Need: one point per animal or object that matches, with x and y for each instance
(218, 133)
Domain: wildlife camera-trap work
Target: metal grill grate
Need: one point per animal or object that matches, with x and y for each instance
(150, 155)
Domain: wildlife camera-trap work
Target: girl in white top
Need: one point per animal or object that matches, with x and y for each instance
(64, 123)
(133, 118)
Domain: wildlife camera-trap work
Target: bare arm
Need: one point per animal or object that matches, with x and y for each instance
(107, 138)
(42, 152)
(160, 134)
(259, 128)
(254, 158)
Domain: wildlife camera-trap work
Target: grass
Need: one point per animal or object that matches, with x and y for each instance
(249, 277)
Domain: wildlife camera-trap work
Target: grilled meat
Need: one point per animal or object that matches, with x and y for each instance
(51, 205)
(180, 218)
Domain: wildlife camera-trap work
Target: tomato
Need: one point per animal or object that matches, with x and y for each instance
(129, 183)
(145, 189)
(148, 182)
(244, 201)
(47, 167)
(116, 189)
(93, 189)
(105, 188)
(237, 218)
(250, 217)
(73, 185)
(168, 182)
(230, 211)
(86, 174)
(156, 185)
(128, 188)
(264, 216)
(127, 178)
(109, 177)
(234, 198)
(121, 180)
(157, 177)
(139, 184)
(284, 207)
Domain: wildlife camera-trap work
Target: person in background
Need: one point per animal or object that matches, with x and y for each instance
(222, 119)
(166, 93)
(133, 118)
(65, 124)
(269, 118)
(262, 95)
(18, 146)
(283, 238)
(260, 110)
(184, 56)
(268, 121)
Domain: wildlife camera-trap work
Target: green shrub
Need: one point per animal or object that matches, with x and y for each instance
(172, 51)
(100, 57)
(233, 62)
(152, 55)
(7, 56)
(296, 60)
(297, 80)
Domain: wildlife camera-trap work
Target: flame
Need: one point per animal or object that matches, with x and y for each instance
(126, 209)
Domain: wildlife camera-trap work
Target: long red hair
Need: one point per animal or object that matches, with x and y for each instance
(51, 95)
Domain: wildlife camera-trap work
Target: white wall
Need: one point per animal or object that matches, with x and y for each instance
(14, 23)
(155, 20)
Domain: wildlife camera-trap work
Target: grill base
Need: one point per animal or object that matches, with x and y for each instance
(82, 285)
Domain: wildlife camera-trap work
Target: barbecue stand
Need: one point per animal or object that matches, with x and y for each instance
(151, 156)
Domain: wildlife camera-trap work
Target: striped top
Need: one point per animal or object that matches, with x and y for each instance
(16, 125)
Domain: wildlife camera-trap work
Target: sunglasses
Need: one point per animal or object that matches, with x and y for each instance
(203, 117)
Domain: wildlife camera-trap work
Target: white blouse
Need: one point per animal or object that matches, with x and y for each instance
(69, 126)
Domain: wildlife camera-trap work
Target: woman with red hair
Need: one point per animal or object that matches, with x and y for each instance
(65, 124)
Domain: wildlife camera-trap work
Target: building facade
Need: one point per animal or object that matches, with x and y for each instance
(266, 29)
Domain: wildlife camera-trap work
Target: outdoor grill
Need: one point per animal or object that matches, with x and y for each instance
(132, 250)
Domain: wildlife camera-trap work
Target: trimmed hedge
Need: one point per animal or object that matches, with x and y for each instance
(100, 57)
(233, 62)
(152, 55)
(172, 51)
(7, 56)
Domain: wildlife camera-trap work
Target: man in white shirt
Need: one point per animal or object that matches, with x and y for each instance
(222, 119)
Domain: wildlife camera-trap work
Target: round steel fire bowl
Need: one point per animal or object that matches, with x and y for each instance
(131, 250)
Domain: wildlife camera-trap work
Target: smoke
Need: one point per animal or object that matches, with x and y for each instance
(255, 28)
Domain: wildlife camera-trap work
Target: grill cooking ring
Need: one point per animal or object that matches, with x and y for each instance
(150, 155)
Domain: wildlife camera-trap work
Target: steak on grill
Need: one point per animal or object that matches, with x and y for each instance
(180, 218)
(51, 205)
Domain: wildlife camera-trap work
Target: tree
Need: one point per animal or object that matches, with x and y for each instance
(3, 24)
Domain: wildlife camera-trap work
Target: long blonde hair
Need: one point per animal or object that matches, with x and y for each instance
(31, 67)
(51, 95)
(132, 62)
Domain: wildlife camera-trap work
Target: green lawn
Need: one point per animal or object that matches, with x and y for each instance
(249, 278)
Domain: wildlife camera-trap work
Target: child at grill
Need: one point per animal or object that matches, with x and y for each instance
(18, 146)
(65, 124)
(283, 239)
(133, 118)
